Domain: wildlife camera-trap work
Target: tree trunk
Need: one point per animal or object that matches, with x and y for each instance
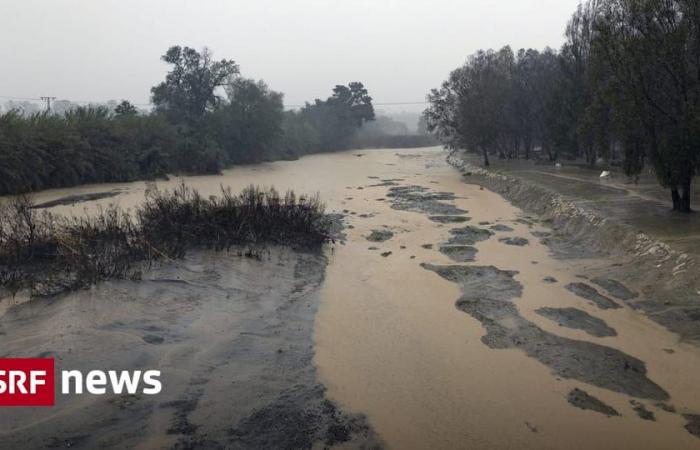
(676, 198)
(486, 158)
(685, 197)
(528, 147)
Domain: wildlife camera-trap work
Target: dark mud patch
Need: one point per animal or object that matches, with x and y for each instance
(500, 227)
(449, 219)
(666, 407)
(153, 339)
(516, 241)
(527, 222)
(78, 198)
(563, 247)
(423, 200)
(577, 320)
(459, 253)
(584, 400)
(488, 294)
(469, 235)
(179, 423)
(615, 288)
(642, 411)
(380, 235)
(427, 246)
(284, 424)
(386, 254)
(692, 424)
(590, 293)
(384, 184)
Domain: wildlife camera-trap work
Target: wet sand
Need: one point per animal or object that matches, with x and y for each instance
(232, 337)
(391, 344)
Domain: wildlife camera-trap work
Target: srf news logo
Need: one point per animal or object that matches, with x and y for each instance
(32, 382)
(27, 382)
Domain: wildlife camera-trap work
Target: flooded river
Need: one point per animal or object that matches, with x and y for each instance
(442, 321)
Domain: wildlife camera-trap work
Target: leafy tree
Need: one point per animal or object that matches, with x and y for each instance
(471, 109)
(338, 117)
(125, 108)
(650, 50)
(190, 88)
(248, 126)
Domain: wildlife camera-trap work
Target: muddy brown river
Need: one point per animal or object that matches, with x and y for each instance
(442, 321)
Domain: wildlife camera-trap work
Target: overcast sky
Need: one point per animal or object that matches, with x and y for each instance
(109, 49)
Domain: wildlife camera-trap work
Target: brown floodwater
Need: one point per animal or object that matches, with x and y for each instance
(389, 342)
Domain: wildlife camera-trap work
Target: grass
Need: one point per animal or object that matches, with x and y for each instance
(49, 254)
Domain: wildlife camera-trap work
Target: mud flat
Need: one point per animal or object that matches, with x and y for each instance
(232, 337)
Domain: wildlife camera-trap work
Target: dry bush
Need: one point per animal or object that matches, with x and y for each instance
(48, 254)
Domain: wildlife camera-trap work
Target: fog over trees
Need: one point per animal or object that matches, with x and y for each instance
(206, 117)
(625, 87)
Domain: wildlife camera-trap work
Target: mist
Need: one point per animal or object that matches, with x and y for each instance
(82, 50)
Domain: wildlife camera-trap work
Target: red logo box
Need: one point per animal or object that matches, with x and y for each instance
(27, 382)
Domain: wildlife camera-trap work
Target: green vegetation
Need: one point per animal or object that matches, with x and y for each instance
(47, 254)
(625, 87)
(206, 117)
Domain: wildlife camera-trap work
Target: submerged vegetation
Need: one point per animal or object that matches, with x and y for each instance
(624, 88)
(48, 254)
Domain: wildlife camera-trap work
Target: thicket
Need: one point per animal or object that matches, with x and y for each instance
(48, 254)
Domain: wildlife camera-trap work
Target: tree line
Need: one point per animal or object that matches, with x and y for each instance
(206, 117)
(624, 88)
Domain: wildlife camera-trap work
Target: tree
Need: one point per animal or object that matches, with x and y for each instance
(125, 108)
(651, 53)
(190, 88)
(248, 127)
(473, 108)
(338, 118)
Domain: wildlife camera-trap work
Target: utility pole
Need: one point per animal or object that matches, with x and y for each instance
(48, 101)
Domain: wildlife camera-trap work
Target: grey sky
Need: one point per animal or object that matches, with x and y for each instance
(109, 49)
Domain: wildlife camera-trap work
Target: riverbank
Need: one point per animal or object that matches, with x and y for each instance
(232, 337)
(663, 273)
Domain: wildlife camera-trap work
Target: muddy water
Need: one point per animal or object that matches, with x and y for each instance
(391, 344)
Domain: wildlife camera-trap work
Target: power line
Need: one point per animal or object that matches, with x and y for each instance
(48, 102)
(9, 97)
(19, 98)
(373, 104)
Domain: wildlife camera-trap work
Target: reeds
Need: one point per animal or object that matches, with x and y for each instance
(49, 254)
